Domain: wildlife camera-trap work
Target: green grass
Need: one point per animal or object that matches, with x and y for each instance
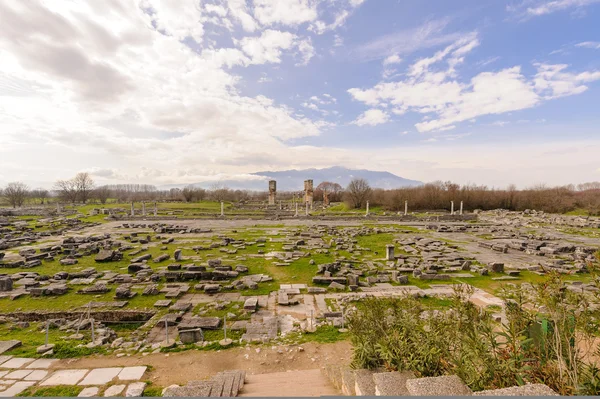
(324, 335)
(57, 391)
(433, 302)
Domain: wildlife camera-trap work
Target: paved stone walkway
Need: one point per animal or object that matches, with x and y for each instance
(18, 374)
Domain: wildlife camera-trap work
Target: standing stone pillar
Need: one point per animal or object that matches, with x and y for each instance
(272, 191)
(296, 215)
(222, 209)
(132, 209)
(155, 209)
(308, 192)
(405, 208)
(367, 214)
(307, 209)
(143, 208)
(461, 207)
(280, 207)
(58, 207)
(389, 252)
(452, 207)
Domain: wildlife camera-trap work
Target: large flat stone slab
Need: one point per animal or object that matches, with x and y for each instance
(65, 377)
(5, 346)
(17, 375)
(16, 389)
(132, 373)
(101, 376)
(36, 375)
(42, 364)
(135, 390)
(16, 363)
(88, 392)
(4, 358)
(114, 390)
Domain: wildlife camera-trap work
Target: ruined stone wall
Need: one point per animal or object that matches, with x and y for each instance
(100, 315)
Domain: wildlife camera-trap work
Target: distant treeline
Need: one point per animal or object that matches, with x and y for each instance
(431, 196)
(438, 195)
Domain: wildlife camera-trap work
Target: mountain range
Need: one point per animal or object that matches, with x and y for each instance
(293, 180)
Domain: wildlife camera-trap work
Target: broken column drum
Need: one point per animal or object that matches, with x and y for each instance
(272, 192)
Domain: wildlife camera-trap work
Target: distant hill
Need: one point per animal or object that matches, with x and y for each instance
(293, 180)
(289, 180)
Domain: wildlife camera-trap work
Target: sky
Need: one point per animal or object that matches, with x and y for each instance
(485, 92)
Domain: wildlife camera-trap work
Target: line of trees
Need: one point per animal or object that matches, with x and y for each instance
(431, 196)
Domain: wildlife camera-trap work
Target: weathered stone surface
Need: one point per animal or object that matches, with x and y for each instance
(438, 386)
(65, 377)
(5, 346)
(135, 390)
(525, 390)
(392, 383)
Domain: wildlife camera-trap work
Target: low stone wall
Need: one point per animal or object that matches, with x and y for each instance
(107, 316)
(282, 215)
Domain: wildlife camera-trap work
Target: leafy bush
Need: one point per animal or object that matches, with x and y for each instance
(399, 334)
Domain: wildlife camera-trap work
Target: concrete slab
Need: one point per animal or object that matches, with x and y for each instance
(17, 374)
(88, 392)
(65, 377)
(4, 359)
(16, 389)
(114, 390)
(16, 363)
(132, 373)
(42, 364)
(5, 346)
(101, 376)
(36, 375)
(135, 390)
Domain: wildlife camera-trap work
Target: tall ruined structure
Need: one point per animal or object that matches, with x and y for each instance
(272, 192)
(308, 192)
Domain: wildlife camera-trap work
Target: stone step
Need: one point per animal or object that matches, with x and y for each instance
(392, 383)
(363, 383)
(348, 382)
(334, 373)
(525, 390)
(449, 385)
(304, 383)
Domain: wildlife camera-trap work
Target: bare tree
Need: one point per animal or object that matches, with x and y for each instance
(219, 191)
(40, 194)
(102, 194)
(16, 192)
(67, 190)
(188, 192)
(358, 192)
(85, 185)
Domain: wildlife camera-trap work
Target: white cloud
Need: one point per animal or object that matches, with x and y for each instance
(285, 12)
(269, 46)
(181, 19)
(592, 45)
(239, 11)
(429, 90)
(532, 8)
(392, 59)
(98, 81)
(428, 35)
(372, 117)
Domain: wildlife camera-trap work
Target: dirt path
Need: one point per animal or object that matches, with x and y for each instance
(179, 368)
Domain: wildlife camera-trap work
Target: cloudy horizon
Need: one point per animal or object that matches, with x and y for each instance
(158, 92)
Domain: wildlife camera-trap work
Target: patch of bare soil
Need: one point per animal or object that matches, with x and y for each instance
(181, 367)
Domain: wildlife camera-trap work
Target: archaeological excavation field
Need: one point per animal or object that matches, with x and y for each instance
(89, 293)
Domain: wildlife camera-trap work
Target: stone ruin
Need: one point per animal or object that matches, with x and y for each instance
(272, 192)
